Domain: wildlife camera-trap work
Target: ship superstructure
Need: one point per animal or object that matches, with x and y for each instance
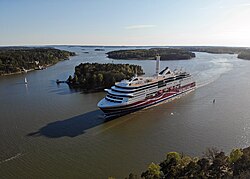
(139, 92)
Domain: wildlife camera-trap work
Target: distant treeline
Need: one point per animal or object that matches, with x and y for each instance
(177, 53)
(215, 50)
(150, 54)
(95, 77)
(243, 52)
(214, 164)
(18, 59)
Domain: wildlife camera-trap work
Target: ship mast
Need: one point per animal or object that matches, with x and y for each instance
(158, 57)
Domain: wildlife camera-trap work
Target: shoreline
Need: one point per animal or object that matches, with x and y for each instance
(16, 73)
(148, 59)
(166, 54)
(18, 60)
(28, 70)
(60, 114)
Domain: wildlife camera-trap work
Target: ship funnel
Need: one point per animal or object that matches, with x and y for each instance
(157, 65)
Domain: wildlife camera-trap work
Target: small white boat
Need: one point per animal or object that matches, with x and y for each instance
(25, 80)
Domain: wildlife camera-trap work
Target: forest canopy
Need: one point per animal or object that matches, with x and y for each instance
(213, 164)
(95, 76)
(16, 59)
(243, 52)
(150, 54)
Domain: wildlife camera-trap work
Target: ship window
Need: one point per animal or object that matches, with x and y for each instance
(149, 96)
(114, 97)
(167, 81)
(120, 95)
(151, 93)
(161, 85)
(113, 100)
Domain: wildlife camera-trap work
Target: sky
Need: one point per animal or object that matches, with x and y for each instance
(125, 22)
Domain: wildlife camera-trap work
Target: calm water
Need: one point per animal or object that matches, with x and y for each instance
(49, 131)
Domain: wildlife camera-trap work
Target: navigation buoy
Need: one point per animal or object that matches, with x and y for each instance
(172, 114)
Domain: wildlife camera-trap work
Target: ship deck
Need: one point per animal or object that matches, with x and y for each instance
(146, 81)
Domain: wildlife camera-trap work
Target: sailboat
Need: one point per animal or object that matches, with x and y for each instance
(25, 80)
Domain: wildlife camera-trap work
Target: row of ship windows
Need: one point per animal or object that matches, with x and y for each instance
(140, 96)
(117, 98)
(136, 98)
(139, 90)
(114, 97)
(164, 90)
(166, 80)
(113, 100)
(151, 85)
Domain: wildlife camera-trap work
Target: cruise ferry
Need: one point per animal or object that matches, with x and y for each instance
(140, 92)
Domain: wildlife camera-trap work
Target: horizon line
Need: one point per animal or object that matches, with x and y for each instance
(98, 45)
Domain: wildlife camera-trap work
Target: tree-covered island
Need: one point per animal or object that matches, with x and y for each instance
(214, 164)
(149, 54)
(93, 77)
(177, 53)
(20, 59)
(243, 52)
(244, 55)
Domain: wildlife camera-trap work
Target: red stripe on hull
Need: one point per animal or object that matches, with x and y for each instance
(148, 102)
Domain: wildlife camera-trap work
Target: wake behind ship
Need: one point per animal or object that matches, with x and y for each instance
(139, 92)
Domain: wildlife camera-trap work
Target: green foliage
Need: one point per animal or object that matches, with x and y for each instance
(184, 161)
(215, 164)
(95, 76)
(153, 172)
(75, 79)
(14, 59)
(241, 167)
(235, 155)
(111, 178)
(244, 54)
(215, 50)
(210, 153)
(149, 54)
(70, 78)
(173, 155)
(220, 167)
(177, 54)
(132, 176)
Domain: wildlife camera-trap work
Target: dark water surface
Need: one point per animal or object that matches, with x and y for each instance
(50, 131)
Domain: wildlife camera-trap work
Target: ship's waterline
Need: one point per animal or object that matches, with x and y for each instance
(140, 92)
(50, 131)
